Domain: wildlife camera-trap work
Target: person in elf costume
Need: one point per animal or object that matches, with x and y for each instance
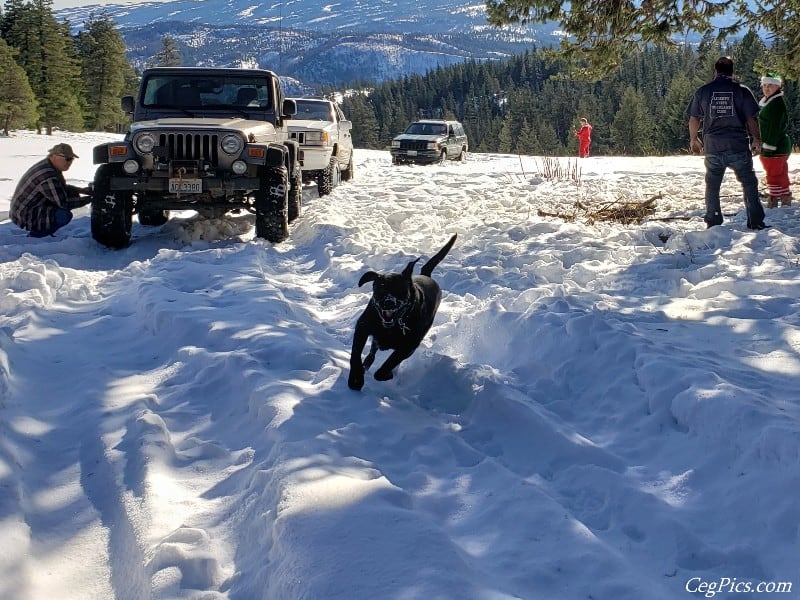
(773, 119)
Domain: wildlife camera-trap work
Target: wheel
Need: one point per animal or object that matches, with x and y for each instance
(295, 181)
(272, 205)
(443, 157)
(153, 218)
(349, 173)
(462, 156)
(112, 211)
(329, 178)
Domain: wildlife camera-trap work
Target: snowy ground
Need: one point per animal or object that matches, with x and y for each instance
(599, 412)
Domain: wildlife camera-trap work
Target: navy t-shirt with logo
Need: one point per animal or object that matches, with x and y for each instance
(724, 106)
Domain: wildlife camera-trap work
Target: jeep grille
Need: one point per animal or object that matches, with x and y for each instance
(413, 145)
(191, 146)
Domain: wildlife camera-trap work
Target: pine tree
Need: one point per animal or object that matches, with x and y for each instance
(47, 55)
(748, 60)
(506, 136)
(633, 129)
(102, 53)
(600, 36)
(672, 125)
(359, 110)
(170, 53)
(549, 144)
(17, 102)
(528, 141)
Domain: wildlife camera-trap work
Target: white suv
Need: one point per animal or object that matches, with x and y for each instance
(326, 144)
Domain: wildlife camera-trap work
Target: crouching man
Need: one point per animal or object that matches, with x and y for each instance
(43, 202)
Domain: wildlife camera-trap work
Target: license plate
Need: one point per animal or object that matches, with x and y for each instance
(185, 186)
(412, 152)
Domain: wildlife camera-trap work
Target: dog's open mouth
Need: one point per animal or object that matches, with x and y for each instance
(390, 310)
(388, 314)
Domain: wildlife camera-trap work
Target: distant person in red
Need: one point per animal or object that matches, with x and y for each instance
(584, 135)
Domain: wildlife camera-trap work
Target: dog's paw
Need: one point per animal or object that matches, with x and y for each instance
(355, 381)
(384, 374)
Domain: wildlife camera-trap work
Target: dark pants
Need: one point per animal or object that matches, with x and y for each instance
(742, 165)
(62, 217)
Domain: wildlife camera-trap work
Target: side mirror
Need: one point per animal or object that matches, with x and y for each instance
(289, 107)
(127, 104)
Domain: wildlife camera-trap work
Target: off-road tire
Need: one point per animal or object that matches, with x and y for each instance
(272, 205)
(349, 173)
(443, 157)
(295, 182)
(329, 178)
(462, 156)
(112, 211)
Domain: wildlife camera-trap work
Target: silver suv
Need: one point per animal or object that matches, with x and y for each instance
(202, 139)
(326, 143)
(430, 141)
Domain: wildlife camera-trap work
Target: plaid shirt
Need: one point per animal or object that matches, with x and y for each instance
(40, 190)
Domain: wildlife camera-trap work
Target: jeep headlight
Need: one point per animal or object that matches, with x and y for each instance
(395, 143)
(232, 144)
(433, 145)
(145, 143)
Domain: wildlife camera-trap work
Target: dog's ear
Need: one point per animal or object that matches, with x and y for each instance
(368, 276)
(409, 270)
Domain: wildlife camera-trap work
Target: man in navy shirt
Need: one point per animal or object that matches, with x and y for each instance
(728, 112)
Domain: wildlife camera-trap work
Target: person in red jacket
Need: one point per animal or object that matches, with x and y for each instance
(584, 135)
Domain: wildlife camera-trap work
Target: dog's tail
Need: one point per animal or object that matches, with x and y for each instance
(428, 267)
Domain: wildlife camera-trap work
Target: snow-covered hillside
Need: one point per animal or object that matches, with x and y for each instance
(599, 411)
(318, 42)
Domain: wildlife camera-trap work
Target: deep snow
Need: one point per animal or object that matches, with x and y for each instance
(600, 411)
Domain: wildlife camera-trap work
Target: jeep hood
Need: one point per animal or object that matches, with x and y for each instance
(308, 124)
(246, 126)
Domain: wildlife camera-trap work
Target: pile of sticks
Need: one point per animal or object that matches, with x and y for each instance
(621, 211)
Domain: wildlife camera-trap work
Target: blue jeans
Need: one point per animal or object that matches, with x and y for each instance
(742, 165)
(62, 217)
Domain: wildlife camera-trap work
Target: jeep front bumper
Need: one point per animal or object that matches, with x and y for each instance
(161, 185)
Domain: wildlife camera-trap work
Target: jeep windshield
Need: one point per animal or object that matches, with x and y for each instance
(206, 91)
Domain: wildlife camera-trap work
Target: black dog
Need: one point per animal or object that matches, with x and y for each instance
(398, 316)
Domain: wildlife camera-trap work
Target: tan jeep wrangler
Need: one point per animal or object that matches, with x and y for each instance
(202, 139)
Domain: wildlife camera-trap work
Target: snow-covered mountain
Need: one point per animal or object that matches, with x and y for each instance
(347, 16)
(318, 41)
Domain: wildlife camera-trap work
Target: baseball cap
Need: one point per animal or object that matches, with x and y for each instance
(64, 150)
